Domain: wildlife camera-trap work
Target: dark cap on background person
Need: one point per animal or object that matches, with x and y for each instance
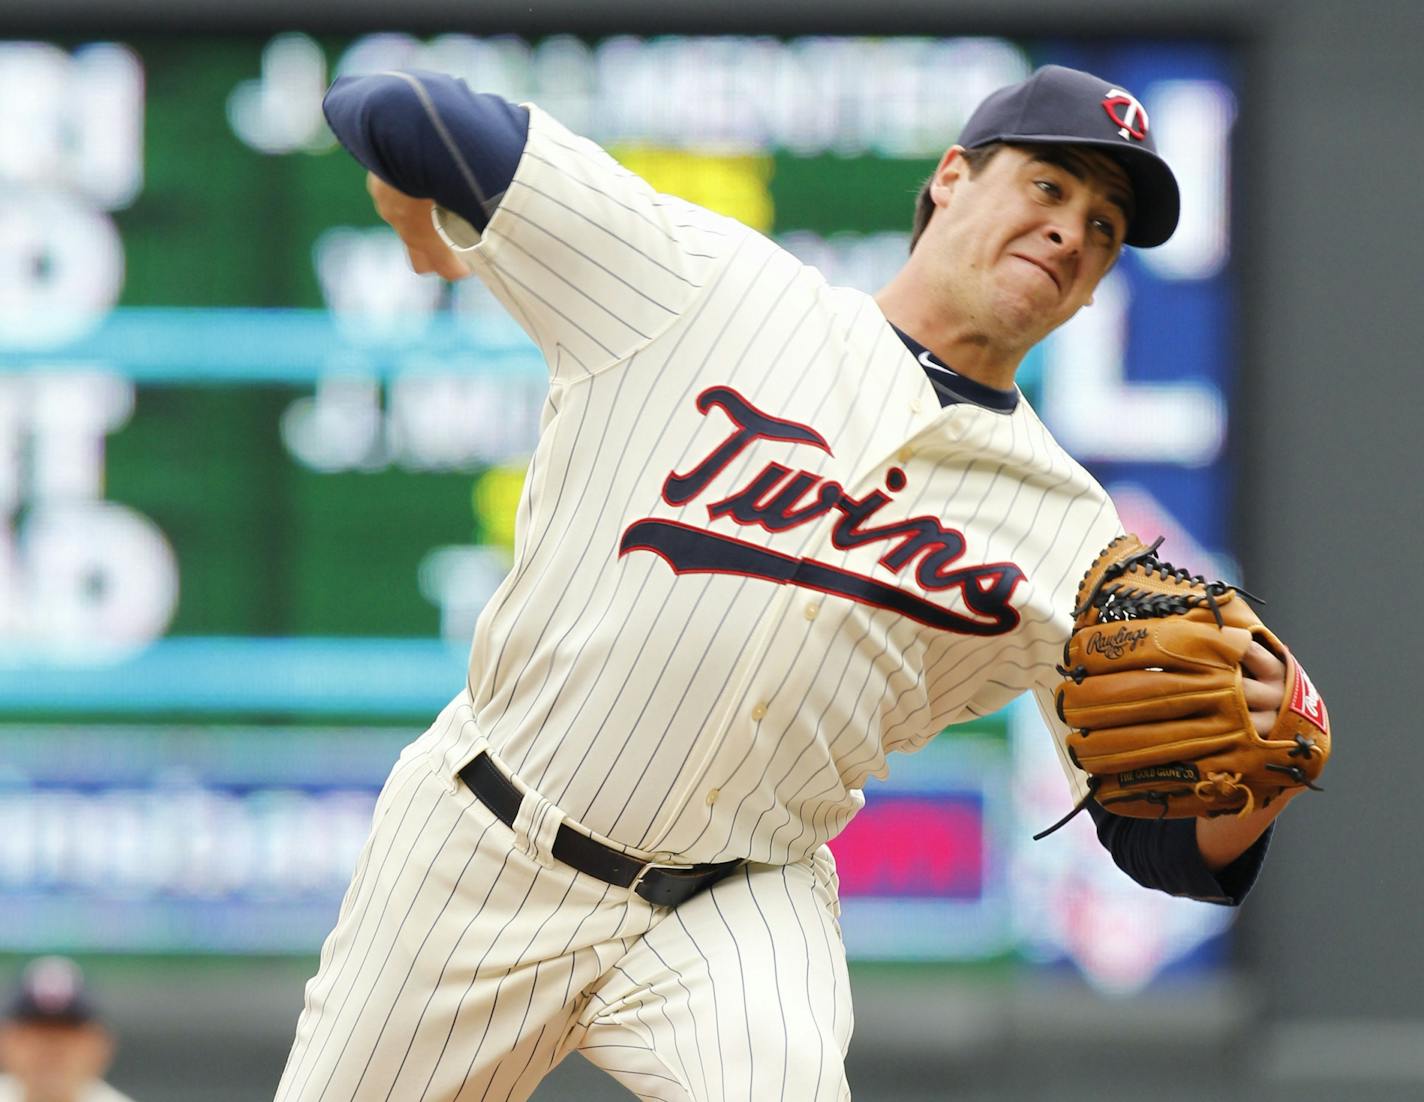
(51, 990)
(1062, 106)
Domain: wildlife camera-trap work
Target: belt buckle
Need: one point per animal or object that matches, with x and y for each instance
(642, 872)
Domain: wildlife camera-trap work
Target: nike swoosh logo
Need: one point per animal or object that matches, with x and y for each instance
(925, 361)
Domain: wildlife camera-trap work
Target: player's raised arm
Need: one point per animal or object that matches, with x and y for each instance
(430, 137)
(587, 257)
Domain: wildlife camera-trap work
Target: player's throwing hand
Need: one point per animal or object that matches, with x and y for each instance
(411, 219)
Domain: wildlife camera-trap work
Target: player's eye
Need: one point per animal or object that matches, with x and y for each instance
(1048, 187)
(1105, 227)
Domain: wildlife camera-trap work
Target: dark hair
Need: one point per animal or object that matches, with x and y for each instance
(975, 159)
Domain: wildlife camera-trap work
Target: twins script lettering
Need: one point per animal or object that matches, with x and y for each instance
(778, 498)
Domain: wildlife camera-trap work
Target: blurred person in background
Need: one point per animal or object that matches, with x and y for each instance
(53, 1046)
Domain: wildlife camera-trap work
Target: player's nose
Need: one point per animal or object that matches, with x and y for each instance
(1066, 238)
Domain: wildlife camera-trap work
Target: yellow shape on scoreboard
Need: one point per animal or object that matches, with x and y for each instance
(731, 184)
(495, 498)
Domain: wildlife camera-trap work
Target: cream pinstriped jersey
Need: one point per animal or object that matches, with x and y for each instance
(754, 555)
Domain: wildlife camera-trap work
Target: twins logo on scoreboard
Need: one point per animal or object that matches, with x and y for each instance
(772, 500)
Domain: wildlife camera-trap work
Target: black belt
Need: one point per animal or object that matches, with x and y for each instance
(662, 885)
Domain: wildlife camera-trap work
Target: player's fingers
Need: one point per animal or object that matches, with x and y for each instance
(406, 214)
(386, 199)
(410, 218)
(449, 266)
(1263, 722)
(1260, 663)
(1263, 696)
(384, 195)
(443, 263)
(1264, 686)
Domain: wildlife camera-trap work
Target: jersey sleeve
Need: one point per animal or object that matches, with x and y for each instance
(1043, 695)
(585, 255)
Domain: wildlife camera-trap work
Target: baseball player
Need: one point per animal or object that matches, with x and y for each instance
(53, 1046)
(773, 530)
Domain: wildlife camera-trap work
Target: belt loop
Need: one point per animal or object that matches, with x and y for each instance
(535, 826)
(472, 750)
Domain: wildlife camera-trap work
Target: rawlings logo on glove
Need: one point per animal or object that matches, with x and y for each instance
(1154, 693)
(1115, 645)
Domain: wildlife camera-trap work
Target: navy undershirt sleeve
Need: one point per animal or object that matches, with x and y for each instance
(431, 137)
(1163, 854)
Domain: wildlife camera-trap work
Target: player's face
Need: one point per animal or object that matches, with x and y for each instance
(1025, 241)
(54, 1061)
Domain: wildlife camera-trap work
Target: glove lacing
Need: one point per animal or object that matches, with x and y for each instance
(1223, 786)
(1127, 602)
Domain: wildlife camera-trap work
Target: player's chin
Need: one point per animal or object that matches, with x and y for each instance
(1043, 308)
(1028, 312)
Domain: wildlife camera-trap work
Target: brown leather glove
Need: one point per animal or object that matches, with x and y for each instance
(1153, 691)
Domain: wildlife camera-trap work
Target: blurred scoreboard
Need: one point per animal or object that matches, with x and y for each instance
(257, 478)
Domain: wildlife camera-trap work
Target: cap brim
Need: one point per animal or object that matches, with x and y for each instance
(64, 1019)
(1156, 200)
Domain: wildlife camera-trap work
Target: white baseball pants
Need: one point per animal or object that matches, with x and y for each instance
(466, 963)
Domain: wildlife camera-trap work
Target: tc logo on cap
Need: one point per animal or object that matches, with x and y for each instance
(1127, 113)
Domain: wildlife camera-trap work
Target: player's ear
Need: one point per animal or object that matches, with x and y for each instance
(951, 169)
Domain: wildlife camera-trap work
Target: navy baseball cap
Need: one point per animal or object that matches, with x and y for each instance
(1063, 106)
(52, 991)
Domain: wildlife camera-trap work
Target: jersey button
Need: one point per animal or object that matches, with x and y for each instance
(712, 794)
(904, 454)
(916, 406)
(812, 610)
(759, 712)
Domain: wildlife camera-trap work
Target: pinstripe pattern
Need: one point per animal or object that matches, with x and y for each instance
(741, 994)
(459, 968)
(715, 715)
(677, 711)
